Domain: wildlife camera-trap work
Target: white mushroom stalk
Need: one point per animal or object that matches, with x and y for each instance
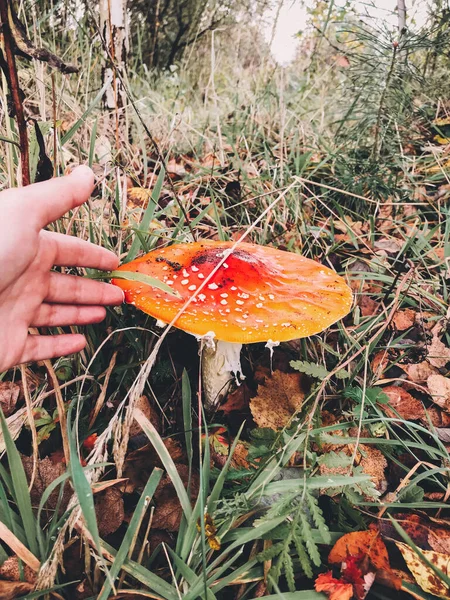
(220, 367)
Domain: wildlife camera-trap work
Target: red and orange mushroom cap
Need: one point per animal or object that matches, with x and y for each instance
(258, 293)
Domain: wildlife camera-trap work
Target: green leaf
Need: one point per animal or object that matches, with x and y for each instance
(83, 491)
(309, 368)
(145, 279)
(20, 488)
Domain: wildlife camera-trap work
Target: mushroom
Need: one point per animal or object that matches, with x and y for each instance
(236, 294)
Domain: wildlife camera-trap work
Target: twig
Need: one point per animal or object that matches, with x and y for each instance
(15, 92)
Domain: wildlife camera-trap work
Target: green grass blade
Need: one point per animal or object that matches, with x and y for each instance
(148, 215)
(20, 484)
(76, 126)
(146, 577)
(166, 460)
(135, 522)
(83, 491)
(145, 279)
(186, 394)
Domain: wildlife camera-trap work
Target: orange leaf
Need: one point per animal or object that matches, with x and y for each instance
(334, 588)
(366, 543)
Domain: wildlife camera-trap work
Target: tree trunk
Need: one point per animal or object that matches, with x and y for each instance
(114, 31)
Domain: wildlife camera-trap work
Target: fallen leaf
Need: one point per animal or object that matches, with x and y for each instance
(374, 463)
(367, 543)
(404, 319)
(46, 472)
(438, 417)
(10, 393)
(418, 372)
(335, 589)
(426, 578)
(238, 400)
(13, 589)
(168, 511)
(438, 353)
(152, 415)
(443, 435)
(10, 570)
(439, 388)
(109, 509)
(405, 405)
(368, 306)
(278, 399)
(138, 197)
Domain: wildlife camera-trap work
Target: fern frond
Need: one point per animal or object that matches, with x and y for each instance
(302, 554)
(309, 368)
(318, 518)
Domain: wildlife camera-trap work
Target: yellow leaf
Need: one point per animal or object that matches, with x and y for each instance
(423, 574)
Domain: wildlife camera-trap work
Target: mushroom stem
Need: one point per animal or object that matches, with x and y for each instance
(221, 363)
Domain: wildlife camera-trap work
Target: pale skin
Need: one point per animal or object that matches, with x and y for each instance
(31, 293)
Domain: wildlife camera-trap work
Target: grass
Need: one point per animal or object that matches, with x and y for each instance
(272, 154)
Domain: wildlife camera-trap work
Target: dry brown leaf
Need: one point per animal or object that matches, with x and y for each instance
(46, 472)
(138, 197)
(10, 393)
(10, 570)
(168, 511)
(152, 415)
(14, 589)
(278, 399)
(439, 540)
(438, 353)
(109, 509)
(374, 463)
(418, 372)
(404, 319)
(439, 418)
(368, 306)
(237, 400)
(439, 388)
(388, 246)
(175, 168)
(426, 578)
(408, 407)
(380, 363)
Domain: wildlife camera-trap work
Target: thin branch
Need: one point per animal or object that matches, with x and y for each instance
(15, 93)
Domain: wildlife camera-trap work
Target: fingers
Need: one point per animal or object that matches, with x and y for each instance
(47, 201)
(68, 289)
(73, 252)
(58, 315)
(41, 347)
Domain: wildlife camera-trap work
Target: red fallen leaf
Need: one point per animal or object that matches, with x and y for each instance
(336, 589)
(237, 400)
(89, 442)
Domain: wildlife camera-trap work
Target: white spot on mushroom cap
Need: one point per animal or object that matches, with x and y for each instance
(201, 297)
(213, 286)
(240, 302)
(224, 302)
(192, 288)
(185, 273)
(194, 268)
(259, 305)
(224, 295)
(184, 281)
(201, 276)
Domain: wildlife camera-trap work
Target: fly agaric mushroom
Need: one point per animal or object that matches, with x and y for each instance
(238, 295)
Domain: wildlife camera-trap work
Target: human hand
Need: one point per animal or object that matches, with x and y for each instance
(31, 294)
